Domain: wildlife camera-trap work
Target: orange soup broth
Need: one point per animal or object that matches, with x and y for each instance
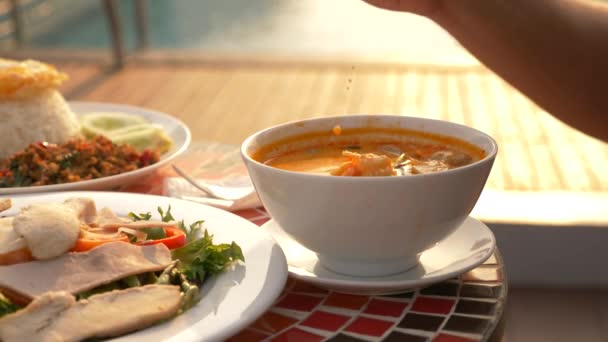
(320, 152)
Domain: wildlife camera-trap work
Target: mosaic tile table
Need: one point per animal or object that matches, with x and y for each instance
(464, 309)
(467, 308)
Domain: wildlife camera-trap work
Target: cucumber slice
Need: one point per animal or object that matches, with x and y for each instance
(123, 128)
(102, 123)
(143, 137)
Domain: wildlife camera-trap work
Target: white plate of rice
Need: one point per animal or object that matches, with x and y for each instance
(175, 129)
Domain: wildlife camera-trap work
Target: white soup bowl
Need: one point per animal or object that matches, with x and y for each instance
(369, 226)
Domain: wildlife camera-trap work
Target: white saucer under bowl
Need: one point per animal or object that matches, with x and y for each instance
(466, 248)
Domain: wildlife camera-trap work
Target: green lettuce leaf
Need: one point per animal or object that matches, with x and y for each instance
(201, 258)
(6, 306)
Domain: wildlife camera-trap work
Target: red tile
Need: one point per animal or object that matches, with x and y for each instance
(452, 338)
(286, 289)
(369, 326)
(280, 297)
(261, 221)
(248, 335)
(295, 334)
(299, 302)
(385, 308)
(433, 305)
(301, 286)
(346, 301)
(262, 210)
(273, 322)
(249, 213)
(291, 282)
(325, 321)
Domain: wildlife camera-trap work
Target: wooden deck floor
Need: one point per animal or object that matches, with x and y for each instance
(227, 102)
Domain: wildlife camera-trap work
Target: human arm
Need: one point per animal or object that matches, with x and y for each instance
(554, 51)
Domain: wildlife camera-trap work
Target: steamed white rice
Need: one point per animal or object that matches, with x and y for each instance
(43, 117)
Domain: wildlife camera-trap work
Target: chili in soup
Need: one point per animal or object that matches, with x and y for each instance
(369, 152)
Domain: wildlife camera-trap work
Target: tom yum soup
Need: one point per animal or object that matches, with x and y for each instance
(369, 152)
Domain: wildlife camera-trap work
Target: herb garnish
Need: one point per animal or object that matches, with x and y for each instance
(154, 233)
(191, 232)
(141, 217)
(67, 159)
(201, 258)
(6, 306)
(196, 260)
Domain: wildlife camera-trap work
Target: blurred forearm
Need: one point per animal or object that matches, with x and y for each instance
(554, 51)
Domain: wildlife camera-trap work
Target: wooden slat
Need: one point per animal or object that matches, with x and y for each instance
(395, 89)
(210, 85)
(330, 94)
(543, 160)
(478, 117)
(513, 149)
(359, 91)
(590, 157)
(595, 156)
(335, 94)
(567, 157)
(297, 102)
(78, 75)
(411, 93)
(454, 100)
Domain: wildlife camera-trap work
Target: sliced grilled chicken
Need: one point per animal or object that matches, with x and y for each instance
(37, 316)
(55, 316)
(78, 272)
(84, 208)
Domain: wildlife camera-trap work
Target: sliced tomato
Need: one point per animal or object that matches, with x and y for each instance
(175, 239)
(83, 245)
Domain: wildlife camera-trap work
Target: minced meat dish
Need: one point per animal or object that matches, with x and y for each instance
(78, 159)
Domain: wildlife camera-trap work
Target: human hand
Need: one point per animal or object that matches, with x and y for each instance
(427, 8)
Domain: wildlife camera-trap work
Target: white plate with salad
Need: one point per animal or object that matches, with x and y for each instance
(224, 303)
(102, 119)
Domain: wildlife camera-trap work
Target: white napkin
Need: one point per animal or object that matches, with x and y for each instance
(239, 189)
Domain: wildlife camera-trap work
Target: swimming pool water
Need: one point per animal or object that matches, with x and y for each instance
(289, 27)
